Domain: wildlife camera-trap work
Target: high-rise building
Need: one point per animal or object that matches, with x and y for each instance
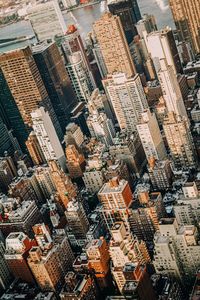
(26, 85)
(7, 173)
(128, 99)
(18, 216)
(17, 248)
(6, 146)
(171, 90)
(77, 220)
(137, 282)
(5, 276)
(165, 49)
(160, 174)
(176, 250)
(151, 137)
(66, 191)
(73, 135)
(187, 21)
(116, 198)
(98, 260)
(73, 43)
(34, 149)
(114, 47)
(47, 137)
(129, 14)
(78, 75)
(179, 140)
(10, 114)
(45, 181)
(56, 81)
(100, 126)
(50, 260)
(47, 20)
(125, 248)
(75, 162)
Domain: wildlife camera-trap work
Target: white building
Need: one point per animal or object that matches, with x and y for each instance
(177, 249)
(100, 126)
(47, 20)
(170, 89)
(128, 99)
(150, 136)
(180, 142)
(47, 137)
(79, 77)
(73, 135)
(159, 45)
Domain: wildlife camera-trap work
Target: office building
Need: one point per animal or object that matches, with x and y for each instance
(50, 260)
(7, 173)
(18, 246)
(100, 126)
(79, 77)
(151, 137)
(26, 85)
(186, 208)
(165, 49)
(179, 140)
(56, 81)
(125, 248)
(75, 162)
(19, 216)
(171, 90)
(73, 43)
(6, 146)
(47, 20)
(187, 21)
(114, 47)
(128, 99)
(5, 276)
(160, 174)
(45, 181)
(98, 261)
(116, 198)
(176, 250)
(66, 191)
(34, 149)
(73, 135)
(77, 220)
(9, 113)
(129, 14)
(137, 282)
(47, 138)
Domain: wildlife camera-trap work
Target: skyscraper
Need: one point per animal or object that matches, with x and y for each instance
(187, 19)
(10, 114)
(34, 149)
(47, 20)
(180, 142)
(128, 99)
(171, 90)
(47, 137)
(151, 137)
(26, 85)
(162, 45)
(79, 77)
(5, 141)
(73, 43)
(114, 47)
(56, 81)
(129, 14)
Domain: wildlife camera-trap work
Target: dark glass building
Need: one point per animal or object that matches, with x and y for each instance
(10, 114)
(129, 13)
(5, 141)
(57, 83)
